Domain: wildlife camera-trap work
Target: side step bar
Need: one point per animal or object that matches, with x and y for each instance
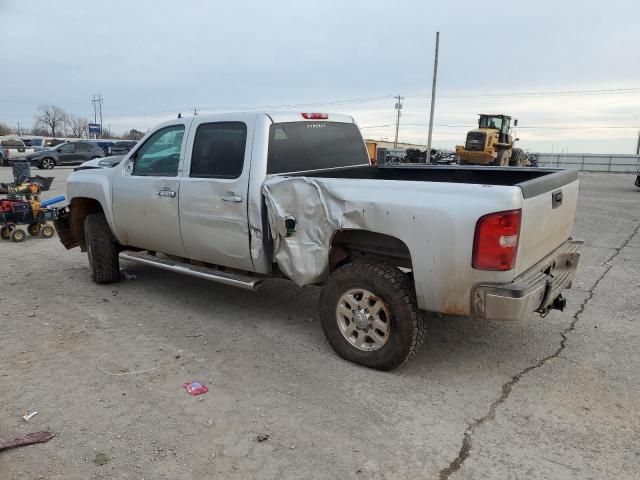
(220, 276)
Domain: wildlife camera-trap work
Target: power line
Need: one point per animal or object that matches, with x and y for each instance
(530, 127)
(559, 93)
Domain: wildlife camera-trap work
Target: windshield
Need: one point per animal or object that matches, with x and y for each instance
(493, 122)
(298, 146)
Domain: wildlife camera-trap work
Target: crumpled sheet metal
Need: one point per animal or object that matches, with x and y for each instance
(320, 208)
(303, 257)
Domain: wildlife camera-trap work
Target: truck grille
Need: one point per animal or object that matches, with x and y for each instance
(475, 141)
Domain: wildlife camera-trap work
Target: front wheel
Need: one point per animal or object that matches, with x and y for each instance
(370, 316)
(18, 235)
(102, 249)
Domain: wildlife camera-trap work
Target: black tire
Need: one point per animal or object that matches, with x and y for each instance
(517, 158)
(47, 231)
(407, 324)
(34, 229)
(502, 160)
(102, 249)
(18, 235)
(3, 161)
(5, 233)
(47, 163)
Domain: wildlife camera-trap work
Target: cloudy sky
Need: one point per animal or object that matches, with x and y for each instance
(568, 70)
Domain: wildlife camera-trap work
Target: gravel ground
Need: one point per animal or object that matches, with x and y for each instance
(557, 397)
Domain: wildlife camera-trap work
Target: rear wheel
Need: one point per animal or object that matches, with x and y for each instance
(47, 163)
(370, 316)
(102, 249)
(517, 158)
(47, 231)
(34, 229)
(5, 233)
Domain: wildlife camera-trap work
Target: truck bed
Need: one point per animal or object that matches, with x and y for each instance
(532, 181)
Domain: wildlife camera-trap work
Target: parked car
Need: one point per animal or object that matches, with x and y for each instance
(121, 147)
(239, 198)
(103, 144)
(65, 154)
(13, 149)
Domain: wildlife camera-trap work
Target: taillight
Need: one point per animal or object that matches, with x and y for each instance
(315, 116)
(496, 241)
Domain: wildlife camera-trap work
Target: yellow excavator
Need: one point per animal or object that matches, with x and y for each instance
(491, 143)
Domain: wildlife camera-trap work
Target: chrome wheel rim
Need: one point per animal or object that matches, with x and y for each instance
(47, 163)
(363, 319)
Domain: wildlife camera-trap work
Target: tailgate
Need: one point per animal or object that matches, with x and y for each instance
(548, 212)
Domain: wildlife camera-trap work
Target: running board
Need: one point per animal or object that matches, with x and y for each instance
(220, 276)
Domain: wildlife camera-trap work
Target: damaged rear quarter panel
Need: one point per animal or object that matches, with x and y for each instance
(435, 220)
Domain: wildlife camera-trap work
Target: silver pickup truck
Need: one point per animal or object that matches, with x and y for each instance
(12, 148)
(239, 198)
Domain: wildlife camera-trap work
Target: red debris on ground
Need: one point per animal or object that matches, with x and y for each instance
(28, 439)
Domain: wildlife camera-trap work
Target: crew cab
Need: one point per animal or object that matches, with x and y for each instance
(240, 198)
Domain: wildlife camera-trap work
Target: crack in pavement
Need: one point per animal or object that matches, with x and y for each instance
(467, 443)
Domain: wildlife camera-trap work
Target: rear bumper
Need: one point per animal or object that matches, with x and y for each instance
(533, 291)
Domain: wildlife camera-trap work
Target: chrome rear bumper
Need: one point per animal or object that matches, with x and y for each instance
(535, 290)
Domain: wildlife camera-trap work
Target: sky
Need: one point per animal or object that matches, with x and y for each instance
(568, 70)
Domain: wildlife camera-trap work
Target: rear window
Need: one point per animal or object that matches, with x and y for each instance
(12, 143)
(297, 146)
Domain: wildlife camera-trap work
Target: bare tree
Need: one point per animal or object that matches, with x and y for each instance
(79, 126)
(39, 131)
(52, 118)
(5, 129)
(133, 134)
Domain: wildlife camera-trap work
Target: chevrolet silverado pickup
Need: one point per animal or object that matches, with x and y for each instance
(241, 198)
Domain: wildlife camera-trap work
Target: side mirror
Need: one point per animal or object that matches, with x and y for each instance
(516, 140)
(515, 122)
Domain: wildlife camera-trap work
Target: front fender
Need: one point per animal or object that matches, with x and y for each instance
(96, 185)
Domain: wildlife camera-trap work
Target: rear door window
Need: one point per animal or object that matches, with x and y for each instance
(218, 150)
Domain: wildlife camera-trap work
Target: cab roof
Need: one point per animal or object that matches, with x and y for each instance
(499, 115)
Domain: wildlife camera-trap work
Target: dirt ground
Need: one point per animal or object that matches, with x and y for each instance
(104, 366)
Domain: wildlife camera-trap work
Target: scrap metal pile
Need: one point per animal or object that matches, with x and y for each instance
(22, 206)
(438, 157)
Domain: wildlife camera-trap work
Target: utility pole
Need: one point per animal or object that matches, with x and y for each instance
(637, 146)
(19, 130)
(433, 97)
(195, 110)
(398, 107)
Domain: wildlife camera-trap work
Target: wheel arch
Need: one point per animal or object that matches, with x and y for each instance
(364, 245)
(79, 208)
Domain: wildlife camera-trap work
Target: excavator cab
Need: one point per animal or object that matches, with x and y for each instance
(502, 123)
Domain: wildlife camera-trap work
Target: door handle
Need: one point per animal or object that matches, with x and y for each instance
(167, 193)
(232, 198)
